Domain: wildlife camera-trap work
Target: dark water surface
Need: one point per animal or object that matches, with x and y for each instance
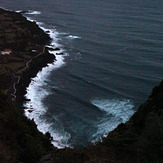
(113, 57)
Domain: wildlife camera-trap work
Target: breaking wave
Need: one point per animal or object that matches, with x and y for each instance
(73, 37)
(116, 111)
(30, 12)
(37, 91)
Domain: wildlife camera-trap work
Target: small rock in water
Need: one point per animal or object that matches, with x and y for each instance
(56, 49)
(24, 12)
(59, 53)
(30, 111)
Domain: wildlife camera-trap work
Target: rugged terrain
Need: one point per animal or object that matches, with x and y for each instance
(138, 140)
(25, 39)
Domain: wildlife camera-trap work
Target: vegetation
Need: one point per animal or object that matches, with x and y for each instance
(20, 141)
(139, 140)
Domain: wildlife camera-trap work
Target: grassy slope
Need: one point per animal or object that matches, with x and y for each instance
(139, 140)
(20, 141)
(21, 36)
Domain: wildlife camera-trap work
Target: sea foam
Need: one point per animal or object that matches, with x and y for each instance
(116, 111)
(73, 37)
(30, 12)
(37, 91)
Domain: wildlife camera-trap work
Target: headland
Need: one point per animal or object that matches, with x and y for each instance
(23, 54)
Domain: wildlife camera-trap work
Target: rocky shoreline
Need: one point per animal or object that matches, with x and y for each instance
(36, 59)
(20, 139)
(138, 140)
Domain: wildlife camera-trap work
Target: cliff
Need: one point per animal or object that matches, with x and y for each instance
(138, 140)
(20, 141)
(25, 40)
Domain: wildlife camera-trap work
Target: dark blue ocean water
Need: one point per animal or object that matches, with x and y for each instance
(113, 57)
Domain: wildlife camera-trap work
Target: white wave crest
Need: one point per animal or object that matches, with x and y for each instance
(29, 19)
(73, 37)
(35, 109)
(33, 12)
(38, 23)
(36, 92)
(116, 112)
(30, 12)
(18, 11)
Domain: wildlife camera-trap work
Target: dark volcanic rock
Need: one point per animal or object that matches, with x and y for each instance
(52, 49)
(59, 53)
(17, 33)
(138, 139)
(56, 49)
(36, 65)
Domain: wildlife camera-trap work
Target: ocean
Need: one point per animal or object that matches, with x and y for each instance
(112, 58)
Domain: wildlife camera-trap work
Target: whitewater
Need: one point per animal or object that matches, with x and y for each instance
(116, 111)
(112, 58)
(36, 93)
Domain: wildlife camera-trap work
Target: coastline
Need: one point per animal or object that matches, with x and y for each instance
(47, 53)
(21, 77)
(34, 67)
(129, 142)
(20, 139)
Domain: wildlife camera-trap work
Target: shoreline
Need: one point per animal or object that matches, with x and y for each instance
(21, 77)
(16, 79)
(137, 139)
(45, 54)
(35, 66)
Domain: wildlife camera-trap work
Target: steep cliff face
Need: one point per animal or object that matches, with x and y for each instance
(141, 138)
(17, 33)
(20, 37)
(20, 141)
(138, 140)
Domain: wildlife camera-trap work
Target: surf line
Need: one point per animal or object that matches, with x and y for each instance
(18, 77)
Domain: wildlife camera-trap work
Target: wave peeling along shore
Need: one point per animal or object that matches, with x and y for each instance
(36, 93)
(116, 111)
